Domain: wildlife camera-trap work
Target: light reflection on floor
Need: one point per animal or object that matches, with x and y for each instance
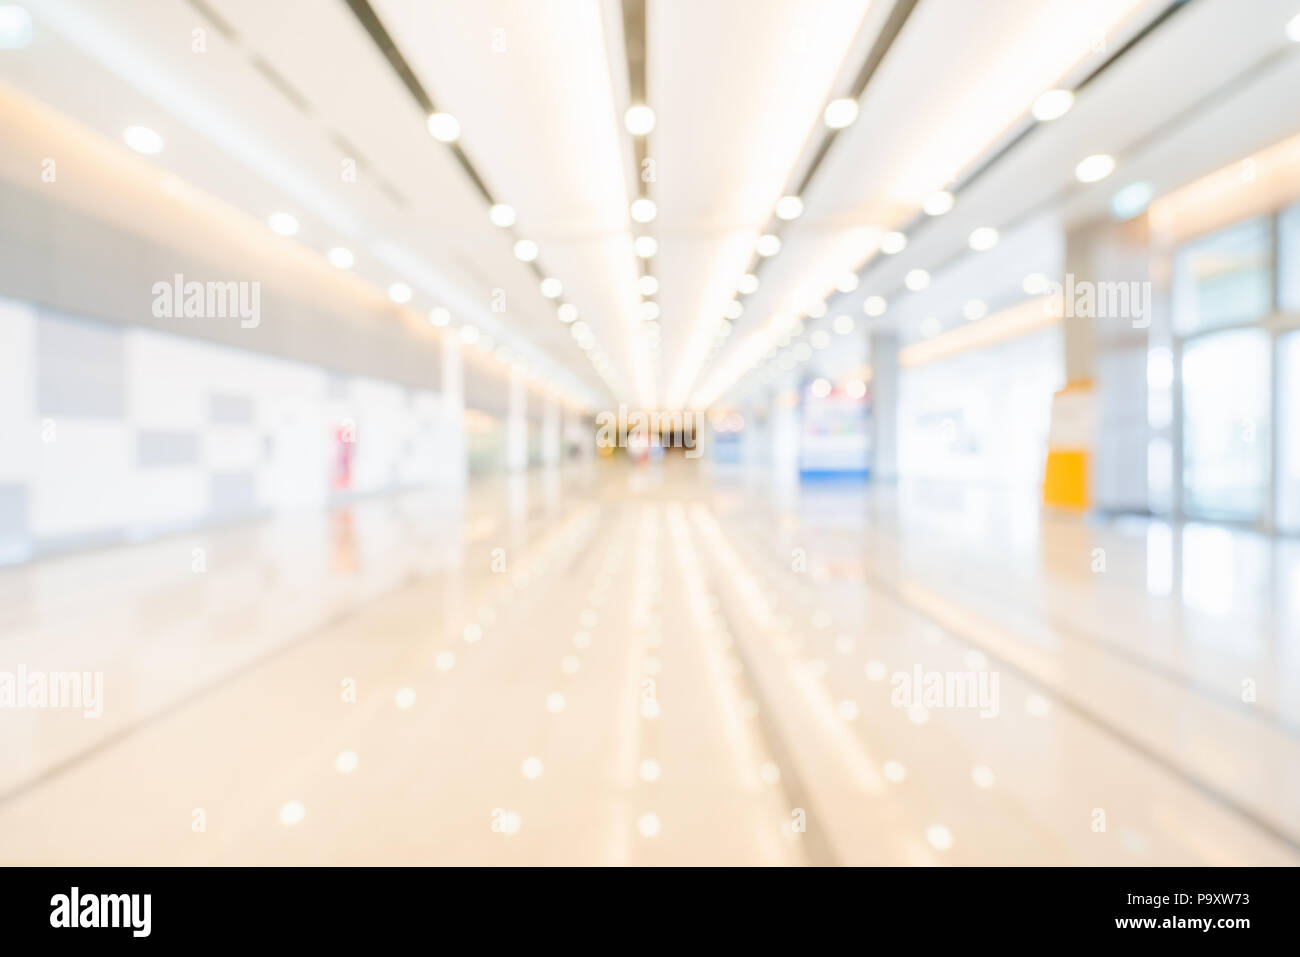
(657, 666)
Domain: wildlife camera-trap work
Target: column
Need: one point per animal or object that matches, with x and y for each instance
(455, 453)
(1105, 339)
(884, 405)
(517, 421)
(551, 438)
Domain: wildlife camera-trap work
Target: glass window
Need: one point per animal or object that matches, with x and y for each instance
(1288, 466)
(1288, 259)
(1225, 278)
(1226, 425)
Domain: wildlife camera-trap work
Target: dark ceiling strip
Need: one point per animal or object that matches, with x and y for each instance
(920, 220)
(221, 26)
(286, 88)
(634, 42)
(1133, 41)
(370, 21)
(471, 172)
(875, 56)
(346, 147)
(1164, 130)
(880, 47)
(365, 13)
(966, 181)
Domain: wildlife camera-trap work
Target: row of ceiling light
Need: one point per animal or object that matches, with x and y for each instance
(639, 121)
(446, 129)
(840, 114)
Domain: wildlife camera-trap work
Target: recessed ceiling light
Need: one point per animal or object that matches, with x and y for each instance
(842, 324)
(439, 316)
(1293, 28)
(340, 257)
(820, 388)
(468, 335)
(938, 203)
(747, 285)
(286, 224)
(639, 120)
(768, 245)
(15, 27)
(733, 310)
(399, 292)
(552, 287)
(840, 113)
(893, 243)
(817, 310)
(567, 312)
(502, 215)
(649, 310)
(974, 309)
(940, 837)
(789, 207)
(916, 279)
(874, 305)
(644, 210)
(580, 330)
(983, 239)
(139, 138)
(856, 389)
(848, 282)
(1094, 168)
(645, 246)
(1034, 284)
(1052, 105)
(525, 250)
(647, 285)
(1132, 200)
(444, 127)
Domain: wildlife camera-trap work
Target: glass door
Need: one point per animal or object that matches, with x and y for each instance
(1288, 464)
(1226, 425)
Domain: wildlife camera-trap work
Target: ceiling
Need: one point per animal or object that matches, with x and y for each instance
(283, 93)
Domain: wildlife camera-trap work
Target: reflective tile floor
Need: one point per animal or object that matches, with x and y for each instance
(674, 664)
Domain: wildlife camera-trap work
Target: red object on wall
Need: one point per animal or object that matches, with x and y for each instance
(344, 440)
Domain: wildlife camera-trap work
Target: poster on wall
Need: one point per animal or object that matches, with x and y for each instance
(834, 432)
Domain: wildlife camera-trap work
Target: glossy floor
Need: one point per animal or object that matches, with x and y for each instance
(669, 665)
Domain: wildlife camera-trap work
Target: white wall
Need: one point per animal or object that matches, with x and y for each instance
(112, 432)
(981, 415)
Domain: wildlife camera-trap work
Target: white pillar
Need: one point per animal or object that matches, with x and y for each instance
(577, 432)
(1111, 353)
(517, 421)
(785, 428)
(884, 406)
(551, 442)
(453, 410)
